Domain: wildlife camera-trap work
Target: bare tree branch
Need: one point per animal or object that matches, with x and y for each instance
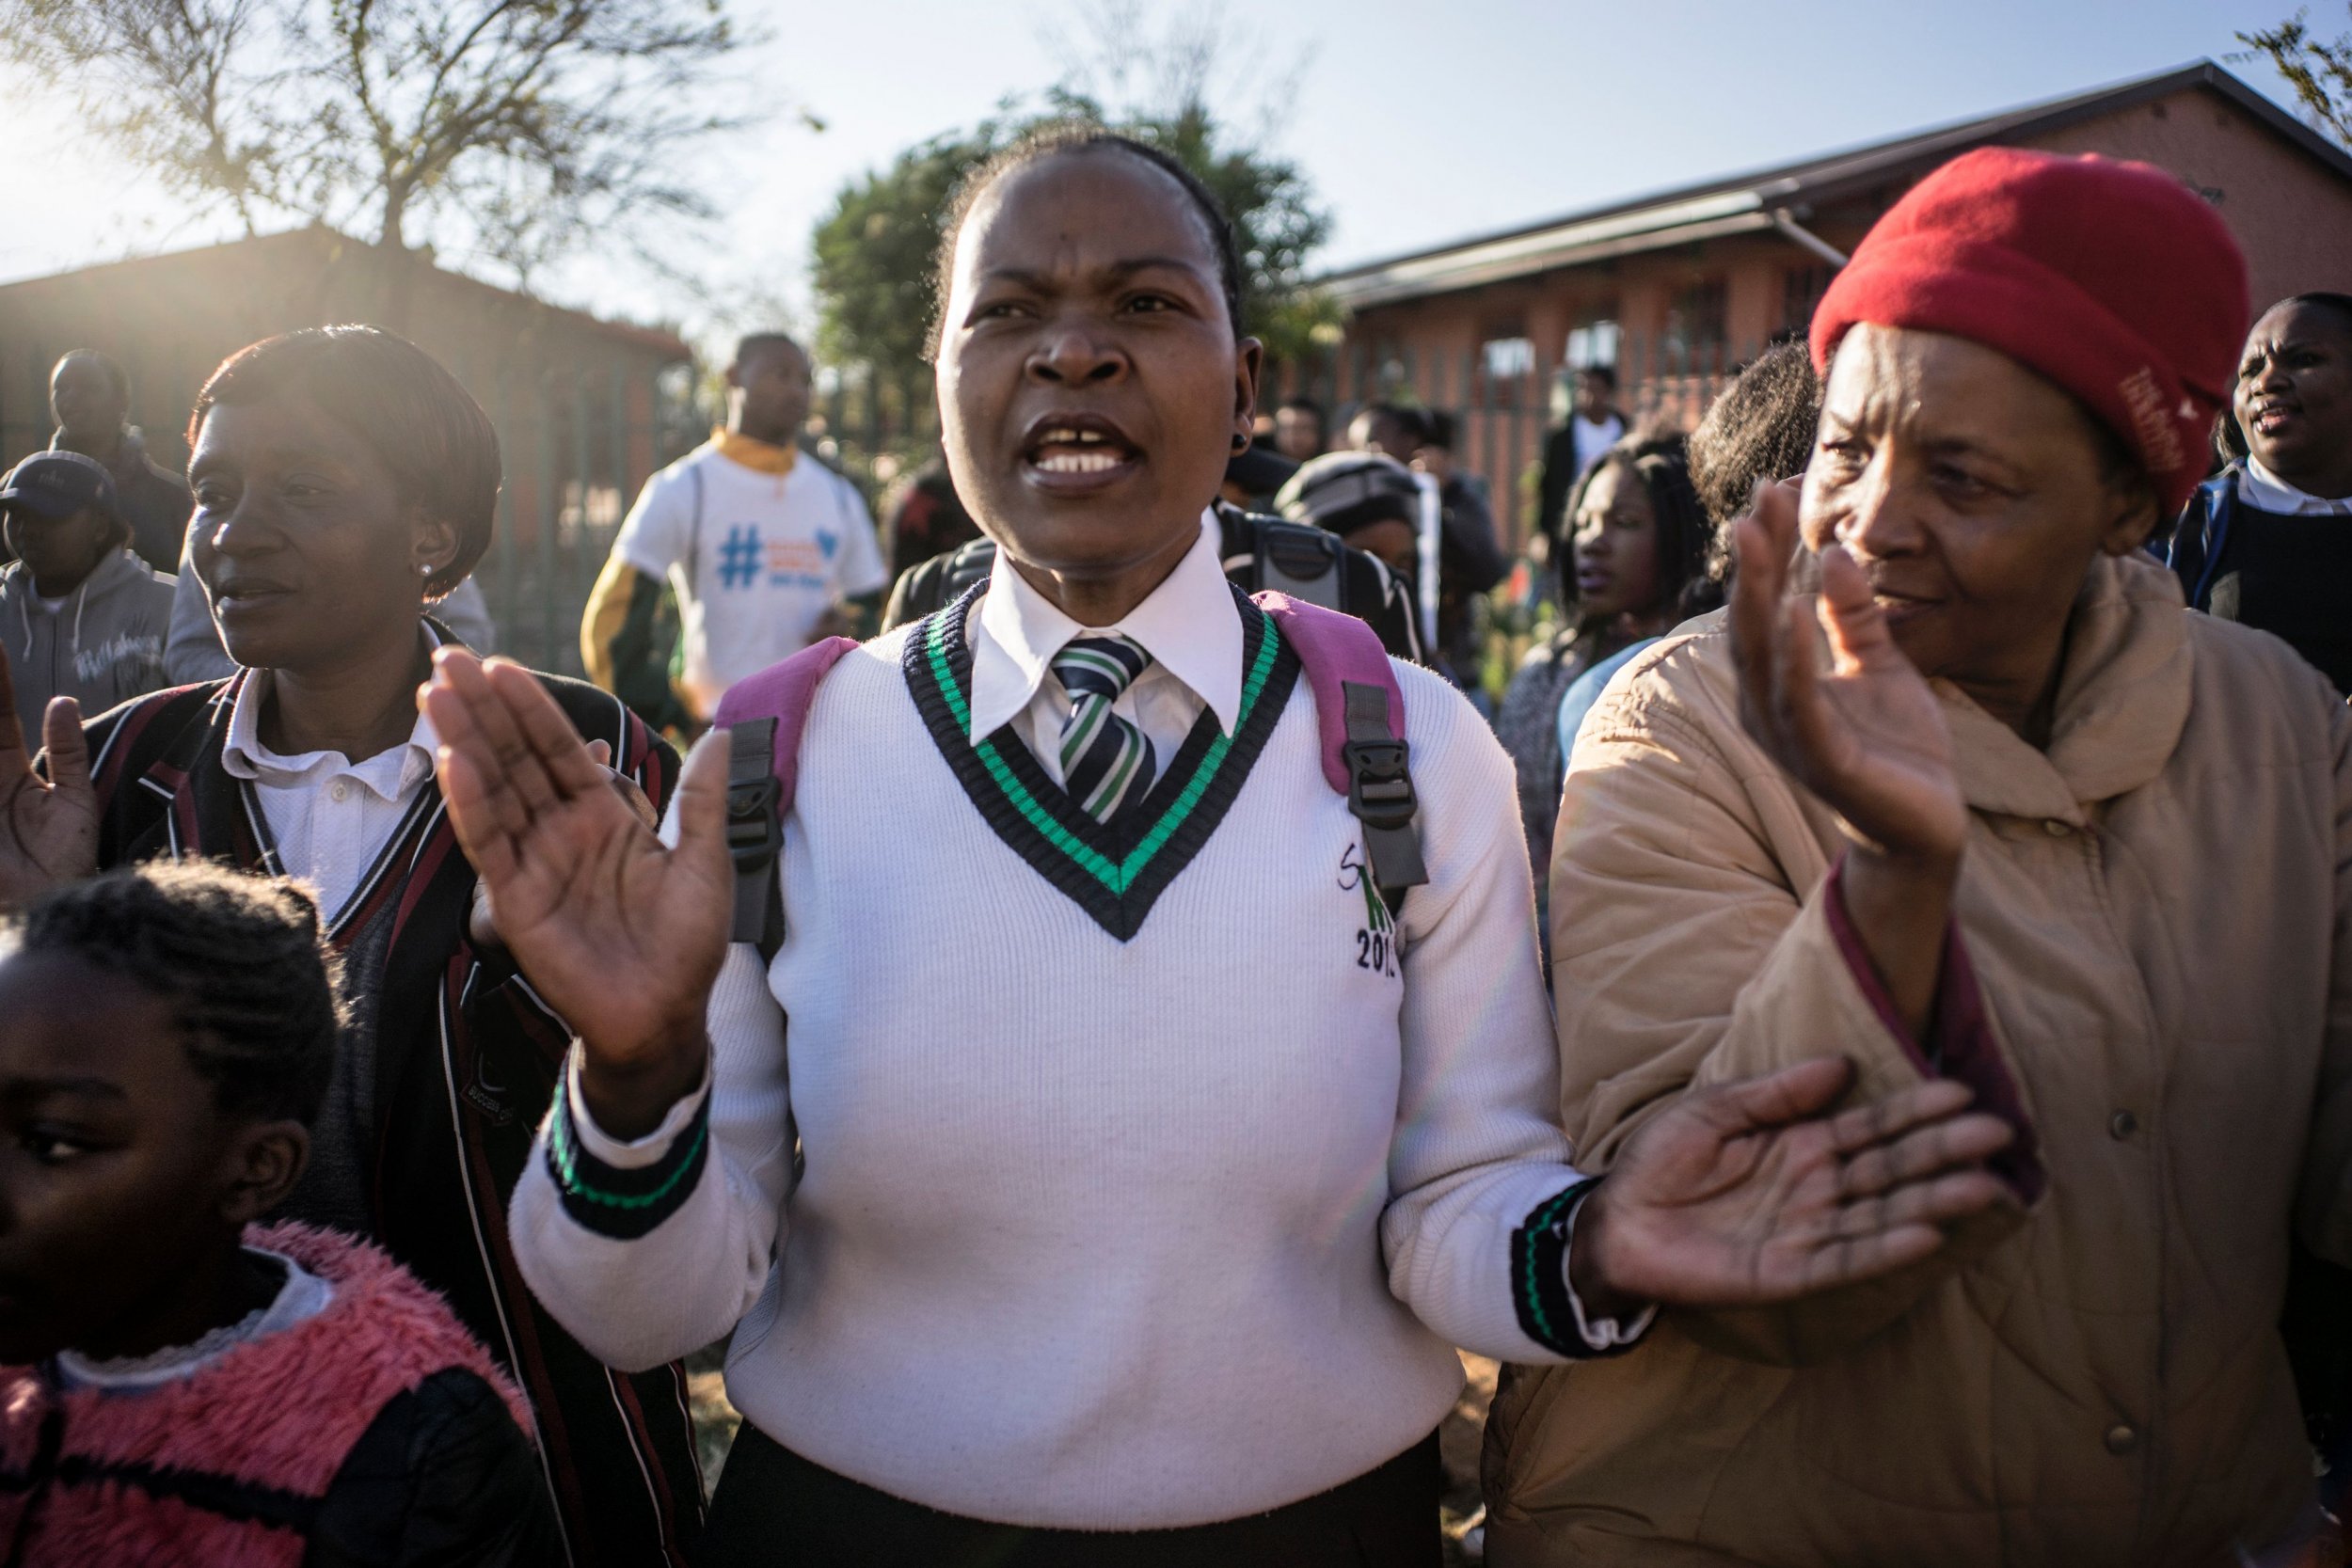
(515, 130)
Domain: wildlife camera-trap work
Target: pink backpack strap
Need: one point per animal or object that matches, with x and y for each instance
(1360, 715)
(763, 716)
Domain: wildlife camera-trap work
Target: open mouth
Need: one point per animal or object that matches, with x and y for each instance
(1065, 451)
(2273, 415)
(247, 596)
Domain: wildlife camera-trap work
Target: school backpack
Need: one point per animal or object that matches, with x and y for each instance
(1360, 715)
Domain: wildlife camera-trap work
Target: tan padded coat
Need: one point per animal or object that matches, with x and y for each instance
(2159, 910)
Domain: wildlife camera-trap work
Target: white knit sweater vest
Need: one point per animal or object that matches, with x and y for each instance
(1100, 1233)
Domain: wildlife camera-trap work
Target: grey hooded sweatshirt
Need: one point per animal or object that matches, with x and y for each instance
(103, 644)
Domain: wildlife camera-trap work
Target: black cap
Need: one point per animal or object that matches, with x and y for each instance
(1259, 470)
(1343, 491)
(58, 485)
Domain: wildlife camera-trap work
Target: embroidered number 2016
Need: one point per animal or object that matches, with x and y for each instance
(1375, 939)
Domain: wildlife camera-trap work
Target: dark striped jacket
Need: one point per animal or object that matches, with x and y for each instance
(466, 1061)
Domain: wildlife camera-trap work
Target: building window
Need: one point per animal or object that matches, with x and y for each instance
(1694, 325)
(1800, 295)
(1592, 342)
(1508, 357)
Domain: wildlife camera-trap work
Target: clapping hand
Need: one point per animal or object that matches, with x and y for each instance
(1867, 737)
(48, 828)
(622, 936)
(1745, 1194)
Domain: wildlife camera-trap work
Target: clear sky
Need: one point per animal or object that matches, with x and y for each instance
(1418, 123)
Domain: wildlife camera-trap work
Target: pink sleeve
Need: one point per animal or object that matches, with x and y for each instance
(1960, 1042)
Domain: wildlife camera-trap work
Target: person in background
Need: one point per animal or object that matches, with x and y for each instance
(343, 481)
(1759, 430)
(80, 615)
(89, 398)
(1159, 1258)
(1592, 426)
(1299, 430)
(1637, 537)
(2023, 824)
(1254, 476)
(178, 1383)
(926, 517)
(1368, 499)
(2269, 543)
(760, 542)
(1469, 562)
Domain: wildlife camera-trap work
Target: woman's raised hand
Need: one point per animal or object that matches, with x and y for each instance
(1867, 736)
(48, 828)
(1745, 1194)
(622, 936)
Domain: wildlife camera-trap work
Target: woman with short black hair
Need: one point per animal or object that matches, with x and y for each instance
(343, 483)
(2269, 541)
(1135, 1160)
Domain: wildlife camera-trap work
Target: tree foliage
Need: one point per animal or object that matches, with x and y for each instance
(513, 129)
(2320, 72)
(873, 255)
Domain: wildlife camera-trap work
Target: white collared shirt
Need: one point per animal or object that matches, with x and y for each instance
(328, 815)
(1187, 624)
(2265, 491)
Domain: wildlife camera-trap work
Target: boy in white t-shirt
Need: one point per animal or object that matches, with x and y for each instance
(760, 542)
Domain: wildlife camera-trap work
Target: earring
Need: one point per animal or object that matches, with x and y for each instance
(1241, 442)
(424, 569)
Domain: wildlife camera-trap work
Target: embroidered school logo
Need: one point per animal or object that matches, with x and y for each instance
(739, 557)
(1375, 939)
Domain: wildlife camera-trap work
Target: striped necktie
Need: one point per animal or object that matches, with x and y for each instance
(1106, 761)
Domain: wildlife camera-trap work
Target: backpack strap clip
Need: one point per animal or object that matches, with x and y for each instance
(755, 833)
(1380, 793)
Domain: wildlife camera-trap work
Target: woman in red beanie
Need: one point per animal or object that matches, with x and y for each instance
(1992, 807)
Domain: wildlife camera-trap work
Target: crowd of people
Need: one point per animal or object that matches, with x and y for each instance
(1094, 1025)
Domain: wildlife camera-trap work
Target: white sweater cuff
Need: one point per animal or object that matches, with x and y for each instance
(633, 1154)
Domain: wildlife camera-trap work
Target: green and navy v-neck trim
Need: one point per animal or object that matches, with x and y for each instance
(1113, 873)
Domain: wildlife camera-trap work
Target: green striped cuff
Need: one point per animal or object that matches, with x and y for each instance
(624, 1202)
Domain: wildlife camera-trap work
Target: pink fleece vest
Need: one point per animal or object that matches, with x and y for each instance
(263, 1430)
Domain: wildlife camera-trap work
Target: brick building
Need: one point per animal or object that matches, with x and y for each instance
(1675, 290)
(585, 408)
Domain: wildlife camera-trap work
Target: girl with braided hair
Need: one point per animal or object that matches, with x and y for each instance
(178, 1383)
(344, 485)
(1635, 538)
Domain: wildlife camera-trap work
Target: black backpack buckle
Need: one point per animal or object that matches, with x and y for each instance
(754, 834)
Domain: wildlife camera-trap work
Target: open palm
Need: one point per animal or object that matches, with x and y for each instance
(48, 828)
(1867, 736)
(621, 935)
(1744, 1195)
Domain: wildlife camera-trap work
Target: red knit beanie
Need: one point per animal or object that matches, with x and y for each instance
(2113, 279)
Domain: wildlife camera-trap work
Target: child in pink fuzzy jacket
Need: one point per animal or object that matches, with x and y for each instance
(180, 1384)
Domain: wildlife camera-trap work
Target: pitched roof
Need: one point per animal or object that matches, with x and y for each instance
(1770, 198)
(325, 247)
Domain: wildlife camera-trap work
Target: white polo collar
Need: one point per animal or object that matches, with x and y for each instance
(2265, 491)
(243, 756)
(1187, 624)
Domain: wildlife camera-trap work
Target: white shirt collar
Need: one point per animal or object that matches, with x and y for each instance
(2265, 491)
(243, 756)
(1188, 625)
